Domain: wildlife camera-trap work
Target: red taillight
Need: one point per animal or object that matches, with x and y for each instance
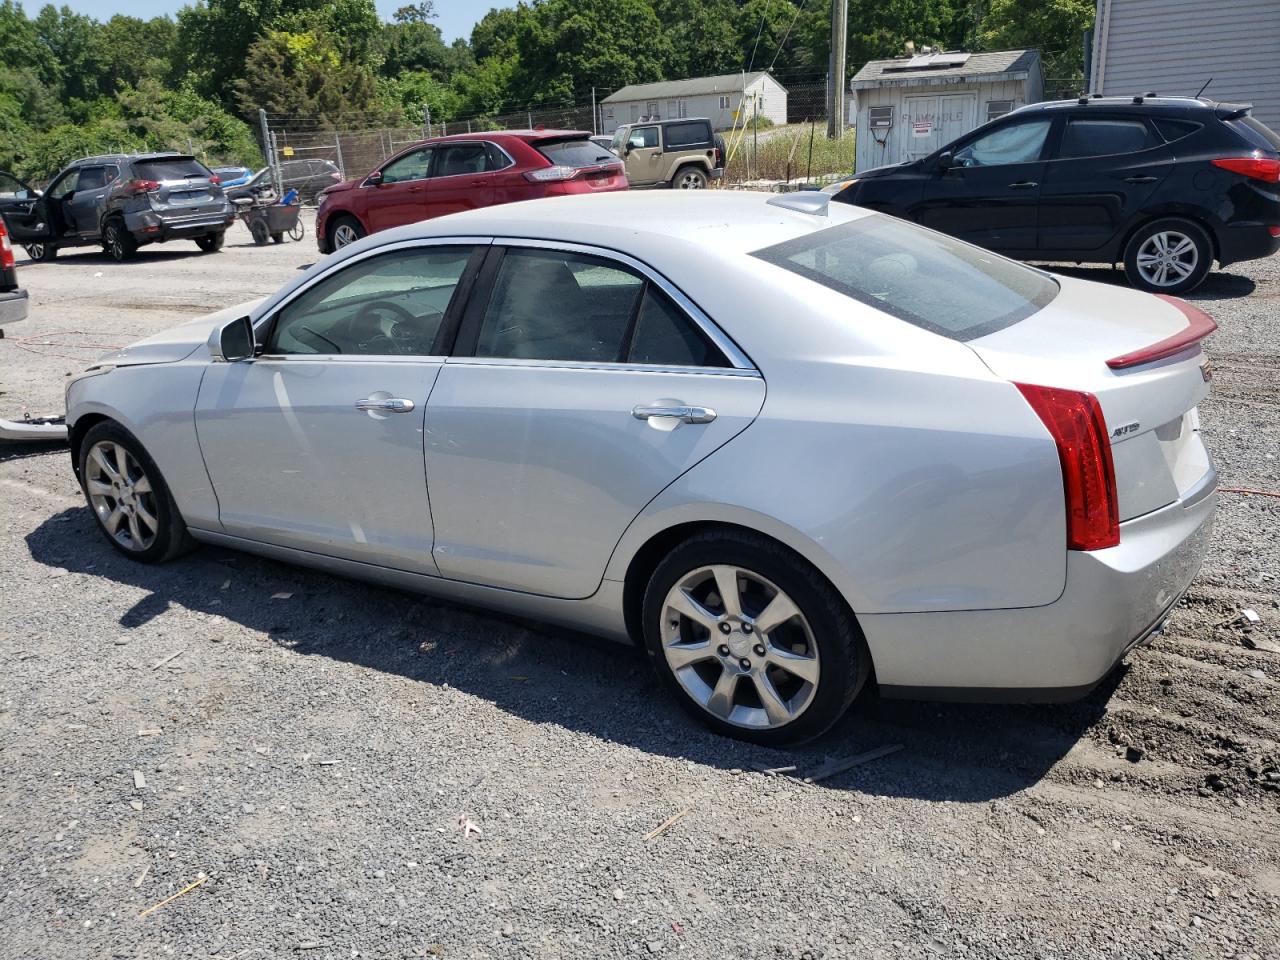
(136, 187)
(215, 179)
(1075, 421)
(1255, 168)
(1274, 229)
(554, 174)
(6, 249)
(1199, 326)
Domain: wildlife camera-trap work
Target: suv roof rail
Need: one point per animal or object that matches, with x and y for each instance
(803, 201)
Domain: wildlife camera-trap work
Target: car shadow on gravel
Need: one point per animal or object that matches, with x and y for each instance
(21, 449)
(954, 752)
(1217, 285)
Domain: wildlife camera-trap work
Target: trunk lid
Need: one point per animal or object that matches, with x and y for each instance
(1150, 407)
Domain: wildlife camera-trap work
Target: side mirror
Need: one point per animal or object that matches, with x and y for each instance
(232, 342)
(945, 160)
(374, 179)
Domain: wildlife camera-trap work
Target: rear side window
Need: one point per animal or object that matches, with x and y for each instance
(1173, 130)
(170, 168)
(684, 135)
(1256, 132)
(1105, 138)
(575, 153)
(926, 279)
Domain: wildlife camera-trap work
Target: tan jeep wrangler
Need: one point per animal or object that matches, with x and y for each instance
(684, 154)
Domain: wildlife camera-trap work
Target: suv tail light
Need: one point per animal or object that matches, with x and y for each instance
(1075, 422)
(558, 173)
(215, 179)
(135, 187)
(6, 249)
(1255, 168)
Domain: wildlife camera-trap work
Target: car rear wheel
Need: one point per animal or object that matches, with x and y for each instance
(211, 243)
(118, 241)
(689, 178)
(751, 639)
(128, 496)
(344, 231)
(1168, 256)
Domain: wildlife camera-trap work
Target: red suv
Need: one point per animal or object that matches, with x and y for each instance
(461, 172)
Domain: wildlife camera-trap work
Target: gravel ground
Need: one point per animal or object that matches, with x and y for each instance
(316, 761)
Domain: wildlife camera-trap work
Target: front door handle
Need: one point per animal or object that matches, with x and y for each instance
(674, 410)
(1023, 185)
(389, 404)
(1141, 179)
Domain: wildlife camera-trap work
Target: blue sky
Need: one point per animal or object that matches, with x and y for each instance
(455, 18)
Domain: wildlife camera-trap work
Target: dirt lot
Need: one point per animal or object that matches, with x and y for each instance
(316, 759)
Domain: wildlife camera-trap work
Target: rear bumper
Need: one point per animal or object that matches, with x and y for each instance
(151, 226)
(1114, 599)
(1251, 242)
(13, 306)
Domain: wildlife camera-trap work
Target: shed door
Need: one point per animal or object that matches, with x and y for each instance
(934, 121)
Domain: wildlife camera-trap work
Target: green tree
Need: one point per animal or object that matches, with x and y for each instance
(130, 49)
(304, 74)
(701, 37)
(414, 43)
(1055, 26)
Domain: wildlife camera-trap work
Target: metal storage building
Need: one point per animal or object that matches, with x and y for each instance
(910, 106)
(720, 99)
(1172, 47)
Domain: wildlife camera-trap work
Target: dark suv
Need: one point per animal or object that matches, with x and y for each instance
(118, 202)
(1165, 185)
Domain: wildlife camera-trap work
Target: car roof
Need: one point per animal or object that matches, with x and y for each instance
(663, 123)
(1139, 103)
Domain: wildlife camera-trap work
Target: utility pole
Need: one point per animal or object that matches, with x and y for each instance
(266, 138)
(593, 111)
(836, 71)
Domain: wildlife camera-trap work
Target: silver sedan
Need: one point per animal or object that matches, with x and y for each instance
(784, 446)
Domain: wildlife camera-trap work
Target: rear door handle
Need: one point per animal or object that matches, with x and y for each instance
(1023, 185)
(389, 405)
(1141, 179)
(674, 411)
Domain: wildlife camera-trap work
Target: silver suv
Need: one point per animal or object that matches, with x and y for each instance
(684, 154)
(120, 202)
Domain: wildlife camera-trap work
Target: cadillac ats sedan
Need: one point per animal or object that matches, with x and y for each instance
(787, 447)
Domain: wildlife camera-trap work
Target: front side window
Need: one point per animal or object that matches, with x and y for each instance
(1015, 143)
(1104, 138)
(67, 185)
(95, 178)
(926, 279)
(643, 137)
(388, 305)
(412, 166)
(554, 305)
(461, 159)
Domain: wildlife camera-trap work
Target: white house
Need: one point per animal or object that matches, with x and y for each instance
(722, 100)
(1173, 47)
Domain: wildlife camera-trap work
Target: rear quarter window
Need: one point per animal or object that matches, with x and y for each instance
(686, 135)
(174, 168)
(926, 279)
(1173, 130)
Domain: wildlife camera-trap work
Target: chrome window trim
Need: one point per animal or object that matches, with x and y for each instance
(350, 358)
(603, 365)
(722, 341)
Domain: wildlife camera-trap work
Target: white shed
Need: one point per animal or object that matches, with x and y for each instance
(1172, 47)
(909, 107)
(722, 100)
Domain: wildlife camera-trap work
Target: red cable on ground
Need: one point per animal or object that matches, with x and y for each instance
(1260, 493)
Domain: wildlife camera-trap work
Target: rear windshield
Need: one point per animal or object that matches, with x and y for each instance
(927, 279)
(1257, 132)
(575, 153)
(170, 168)
(687, 134)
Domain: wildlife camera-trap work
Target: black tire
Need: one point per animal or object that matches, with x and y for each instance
(297, 231)
(842, 650)
(277, 238)
(171, 537)
(337, 224)
(212, 242)
(42, 252)
(117, 241)
(1146, 242)
(260, 231)
(689, 177)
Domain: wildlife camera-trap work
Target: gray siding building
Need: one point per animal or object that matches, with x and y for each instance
(1172, 47)
(910, 106)
(722, 100)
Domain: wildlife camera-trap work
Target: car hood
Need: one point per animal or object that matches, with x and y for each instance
(176, 343)
(886, 171)
(342, 187)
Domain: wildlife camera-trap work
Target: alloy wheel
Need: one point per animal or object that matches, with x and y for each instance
(35, 251)
(115, 243)
(740, 647)
(1167, 258)
(691, 181)
(122, 495)
(343, 235)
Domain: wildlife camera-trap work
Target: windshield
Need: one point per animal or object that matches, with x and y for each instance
(575, 153)
(170, 168)
(927, 279)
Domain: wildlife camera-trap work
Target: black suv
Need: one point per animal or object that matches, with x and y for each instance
(118, 202)
(1165, 185)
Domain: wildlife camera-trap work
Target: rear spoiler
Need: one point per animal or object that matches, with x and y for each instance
(1232, 111)
(1199, 326)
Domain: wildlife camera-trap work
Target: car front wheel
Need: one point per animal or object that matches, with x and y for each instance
(1168, 256)
(344, 231)
(118, 241)
(128, 496)
(751, 639)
